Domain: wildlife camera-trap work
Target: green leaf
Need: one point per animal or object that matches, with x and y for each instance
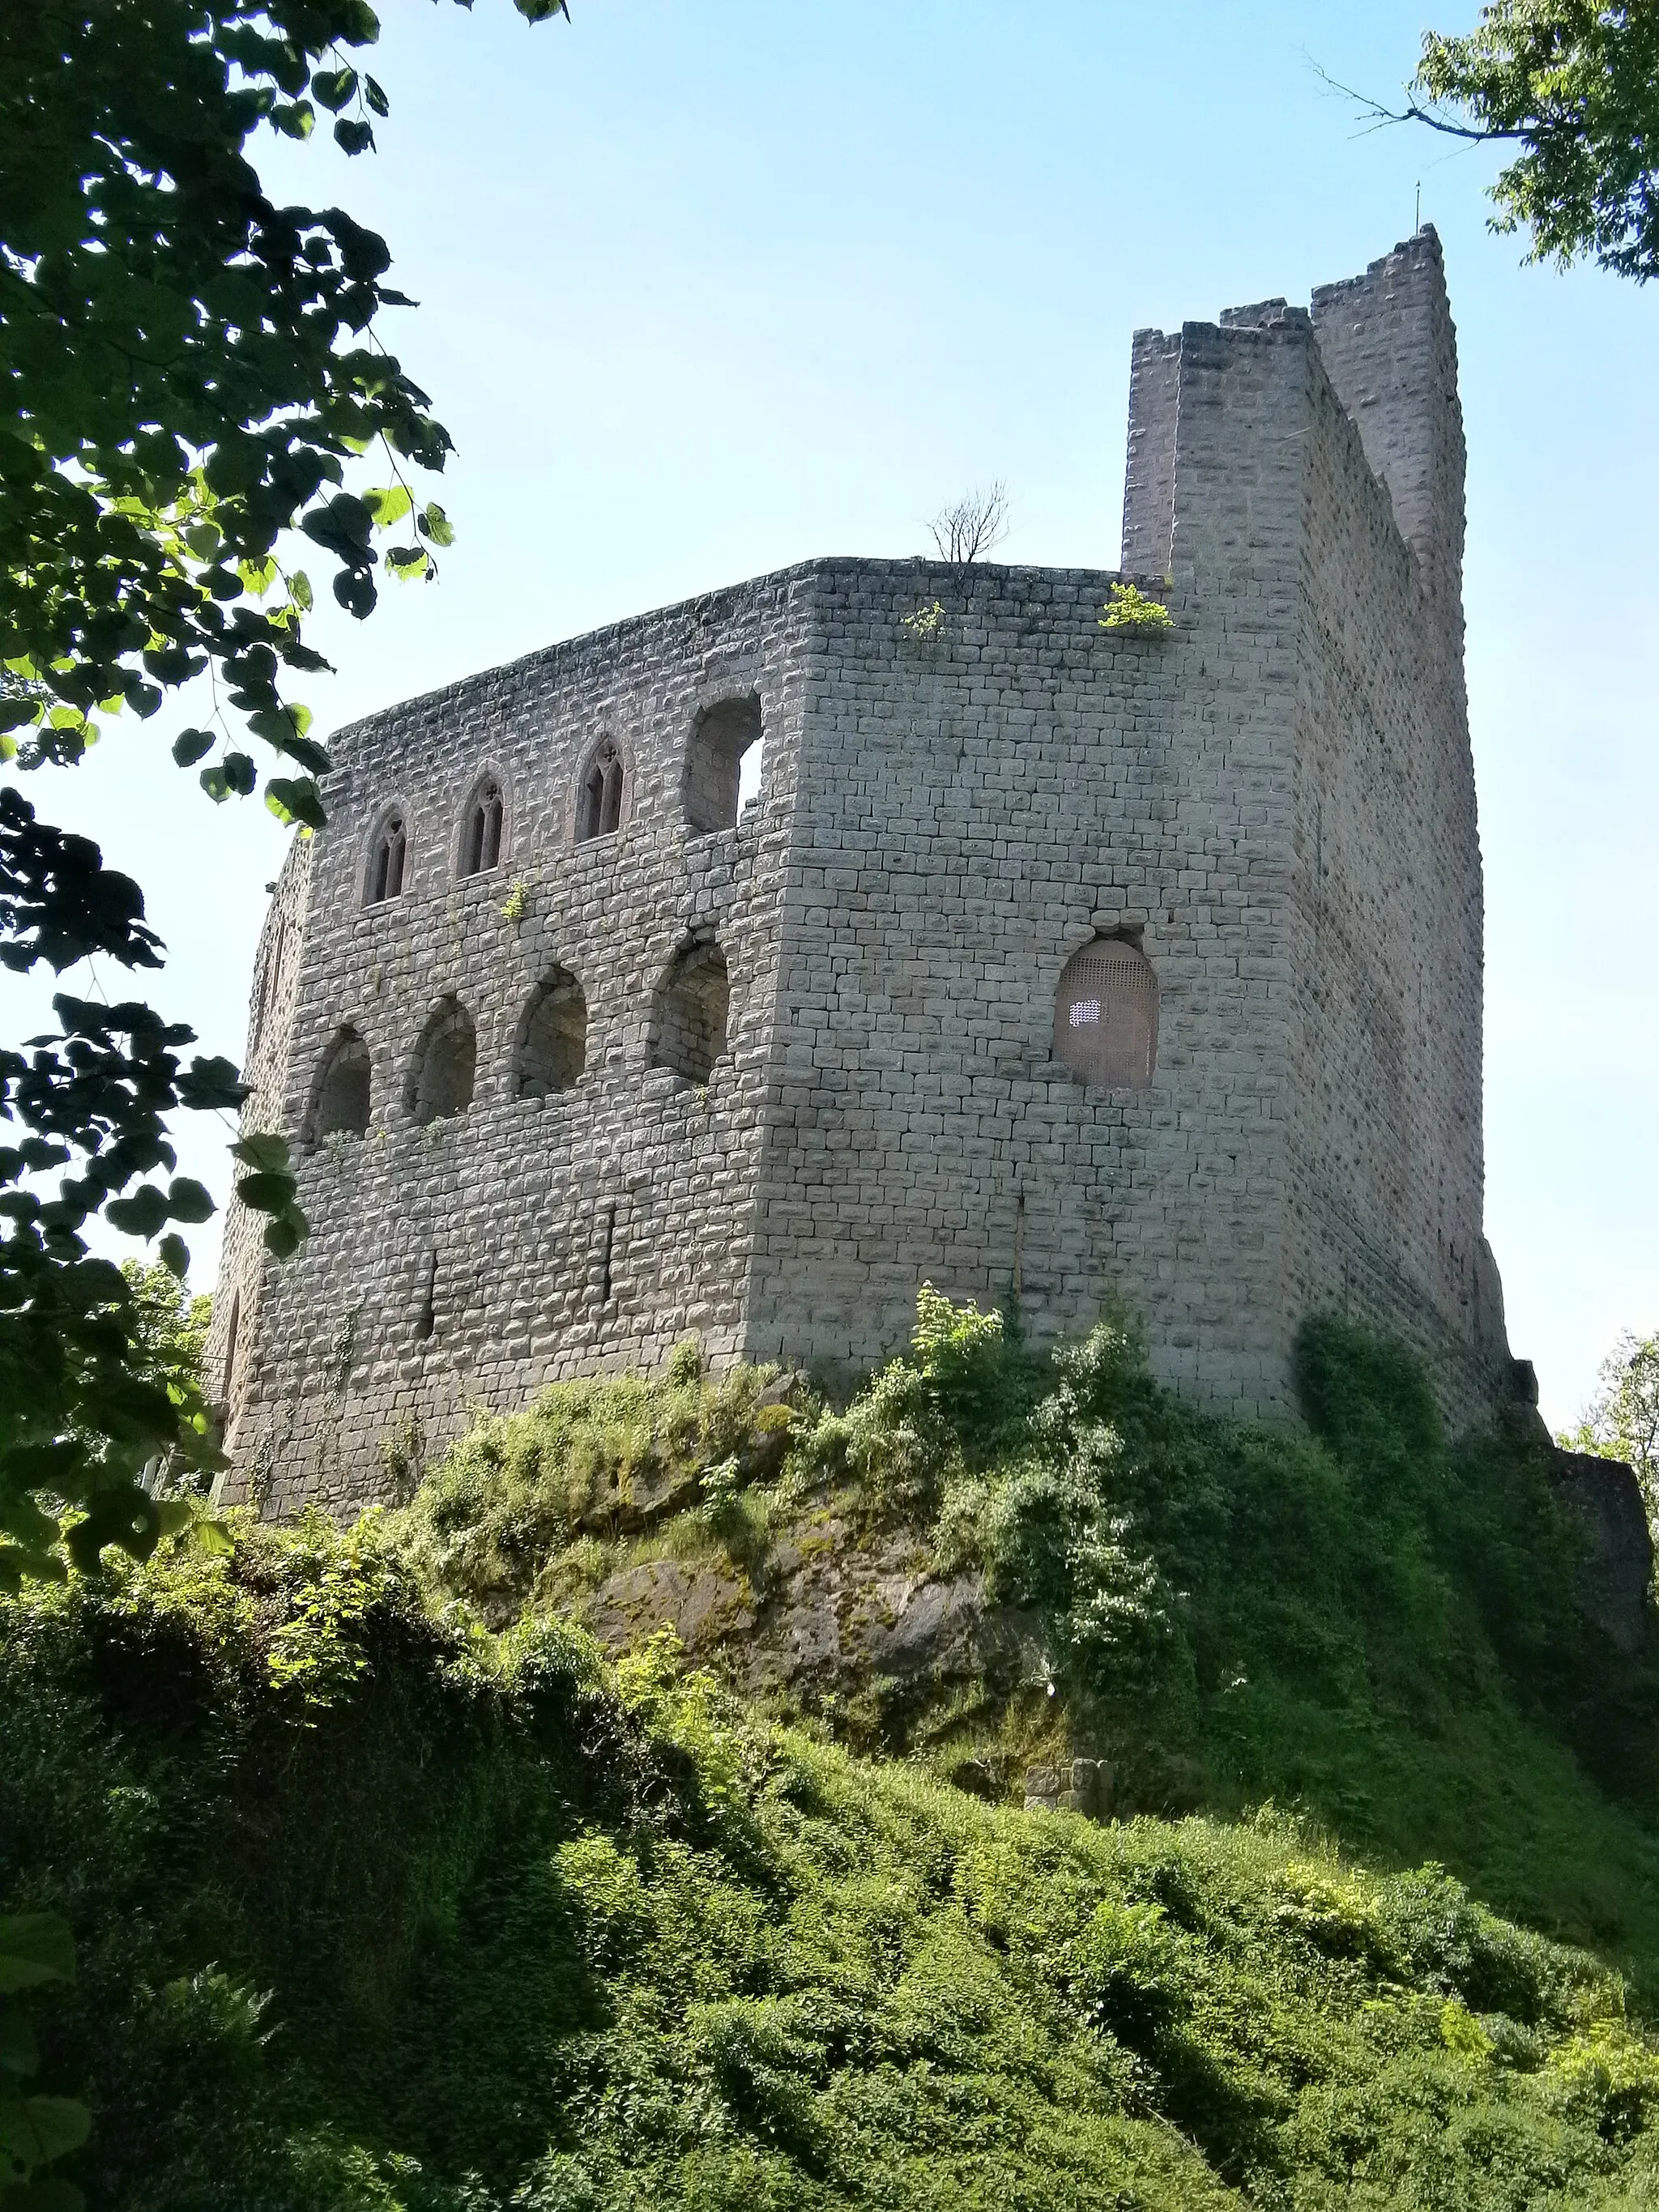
(296, 119)
(299, 590)
(265, 1194)
(188, 1200)
(211, 1537)
(295, 799)
(263, 1150)
(142, 1214)
(188, 746)
(173, 1254)
(333, 88)
(34, 2130)
(388, 503)
(435, 524)
(34, 1947)
(376, 99)
(240, 774)
(213, 780)
(285, 1235)
(353, 137)
(408, 562)
(15, 712)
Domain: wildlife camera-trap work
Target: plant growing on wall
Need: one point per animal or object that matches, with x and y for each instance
(1129, 609)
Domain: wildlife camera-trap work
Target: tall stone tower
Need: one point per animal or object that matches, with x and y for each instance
(1054, 963)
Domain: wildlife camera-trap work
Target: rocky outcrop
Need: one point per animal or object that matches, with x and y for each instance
(828, 1606)
(1604, 1499)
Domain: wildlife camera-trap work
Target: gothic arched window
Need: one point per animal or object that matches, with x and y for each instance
(599, 805)
(1106, 1015)
(481, 833)
(387, 861)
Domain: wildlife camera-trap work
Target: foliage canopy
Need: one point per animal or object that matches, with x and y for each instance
(1575, 84)
(188, 373)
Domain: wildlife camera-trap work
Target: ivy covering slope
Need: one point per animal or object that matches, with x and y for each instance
(373, 1912)
(1364, 1621)
(377, 1909)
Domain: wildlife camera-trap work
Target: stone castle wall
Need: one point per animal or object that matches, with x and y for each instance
(1274, 802)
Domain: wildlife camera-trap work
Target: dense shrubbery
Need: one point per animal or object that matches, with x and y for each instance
(378, 1909)
(1358, 1619)
(375, 1910)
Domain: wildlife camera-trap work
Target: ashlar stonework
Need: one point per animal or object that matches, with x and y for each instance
(579, 1058)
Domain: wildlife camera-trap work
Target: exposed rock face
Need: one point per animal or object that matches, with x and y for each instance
(830, 1608)
(1605, 1497)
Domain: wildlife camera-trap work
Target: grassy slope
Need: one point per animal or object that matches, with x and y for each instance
(1362, 1624)
(372, 1915)
(377, 1910)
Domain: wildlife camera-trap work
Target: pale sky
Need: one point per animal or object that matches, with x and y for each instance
(705, 290)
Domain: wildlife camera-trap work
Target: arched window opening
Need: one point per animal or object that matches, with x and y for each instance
(552, 1047)
(688, 1020)
(385, 871)
(1106, 1015)
(599, 808)
(233, 1337)
(446, 1062)
(721, 763)
(340, 1103)
(481, 839)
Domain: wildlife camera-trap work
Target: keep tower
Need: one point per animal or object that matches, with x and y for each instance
(738, 968)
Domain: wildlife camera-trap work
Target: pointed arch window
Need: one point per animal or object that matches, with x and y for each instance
(599, 808)
(481, 833)
(388, 861)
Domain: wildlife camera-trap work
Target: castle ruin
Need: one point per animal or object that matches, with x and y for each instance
(1053, 963)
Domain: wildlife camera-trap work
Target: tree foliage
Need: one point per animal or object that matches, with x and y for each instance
(189, 374)
(1575, 85)
(1622, 1419)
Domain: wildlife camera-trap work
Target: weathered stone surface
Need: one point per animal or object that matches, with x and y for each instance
(1606, 1499)
(1275, 803)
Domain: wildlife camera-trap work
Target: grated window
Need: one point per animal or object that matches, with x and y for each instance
(1106, 1015)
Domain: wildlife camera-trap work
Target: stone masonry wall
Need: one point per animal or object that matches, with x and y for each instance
(973, 808)
(471, 1261)
(1274, 802)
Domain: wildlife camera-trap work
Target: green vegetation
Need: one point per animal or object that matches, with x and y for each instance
(1131, 609)
(191, 376)
(1622, 1419)
(377, 1912)
(378, 1905)
(1574, 86)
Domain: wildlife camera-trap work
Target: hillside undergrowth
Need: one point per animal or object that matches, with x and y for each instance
(1357, 1620)
(375, 1909)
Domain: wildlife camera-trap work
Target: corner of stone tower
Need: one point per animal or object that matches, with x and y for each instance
(1390, 350)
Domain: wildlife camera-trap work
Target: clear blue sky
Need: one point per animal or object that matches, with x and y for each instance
(706, 288)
